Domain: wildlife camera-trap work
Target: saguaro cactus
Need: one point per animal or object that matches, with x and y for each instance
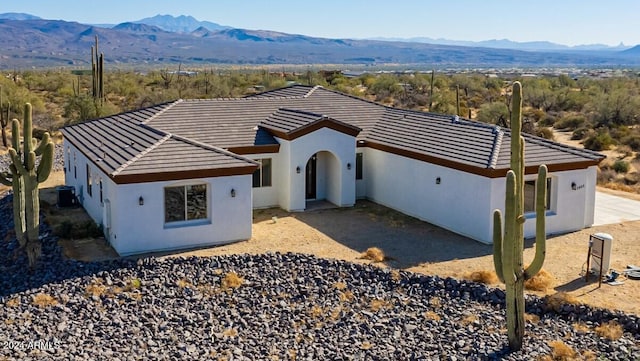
(24, 178)
(508, 247)
(97, 73)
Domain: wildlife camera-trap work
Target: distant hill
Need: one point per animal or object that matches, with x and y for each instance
(635, 51)
(48, 43)
(18, 16)
(509, 44)
(179, 24)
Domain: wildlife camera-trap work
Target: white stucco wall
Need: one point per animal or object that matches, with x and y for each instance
(138, 229)
(570, 209)
(264, 197)
(91, 203)
(460, 203)
(340, 181)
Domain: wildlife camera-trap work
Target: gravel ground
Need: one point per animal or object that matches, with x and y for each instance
(288, 306)
(58, 155)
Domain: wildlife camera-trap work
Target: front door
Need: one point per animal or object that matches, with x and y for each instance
(310, 178)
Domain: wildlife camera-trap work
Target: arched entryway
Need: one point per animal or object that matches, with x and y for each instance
(323, 178)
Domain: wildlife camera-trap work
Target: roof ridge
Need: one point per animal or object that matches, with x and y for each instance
(497, 144)
(115, 116)
(162, 111)
(141, 154)
(315, 87)
(299, 111)
(211, 147)
(561, 146)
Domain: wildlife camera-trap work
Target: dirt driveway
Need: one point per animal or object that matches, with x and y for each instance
(421, 247)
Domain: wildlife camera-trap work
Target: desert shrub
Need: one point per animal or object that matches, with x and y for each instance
(632, 141)
(560, 351)
(570, 122)
(540, 282)
(484, 276)
(620, 166)
(579, 133)
(232, 280)
(599, 141)
(547, 120)
(544, 132)
(610, 330)
(558, 299)
(534, 114)
(624, 150)
(374, 254)
(64, 229)
(87, 229)
(38, 133)
(43, 300)
(632, 178)
(606, 175)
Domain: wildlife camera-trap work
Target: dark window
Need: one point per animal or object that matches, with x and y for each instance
(75, 170)
(262, 175)
(530, 196)
(185, 203)
(100, 182)
(68, 160)
(358, 165)
(89, 192)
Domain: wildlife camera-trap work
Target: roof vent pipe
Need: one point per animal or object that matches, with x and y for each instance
(456, 119)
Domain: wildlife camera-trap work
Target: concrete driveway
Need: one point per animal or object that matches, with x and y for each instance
(612, 209)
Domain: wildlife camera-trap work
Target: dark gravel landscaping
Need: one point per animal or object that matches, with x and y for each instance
(282, 307)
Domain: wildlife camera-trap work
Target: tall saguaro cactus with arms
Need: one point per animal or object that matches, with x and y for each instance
(508, 246)
(24, 177)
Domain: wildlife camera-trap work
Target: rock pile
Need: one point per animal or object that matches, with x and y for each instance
(269, 306)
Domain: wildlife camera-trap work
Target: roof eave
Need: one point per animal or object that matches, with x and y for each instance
(182, 175)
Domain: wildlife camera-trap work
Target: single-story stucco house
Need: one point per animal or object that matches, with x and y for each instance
(188, 173)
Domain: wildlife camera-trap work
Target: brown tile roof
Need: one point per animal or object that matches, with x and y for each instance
(129, 151)
(290, 124)
(248, 125)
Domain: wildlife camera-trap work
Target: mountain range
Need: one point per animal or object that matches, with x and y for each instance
(29, 41)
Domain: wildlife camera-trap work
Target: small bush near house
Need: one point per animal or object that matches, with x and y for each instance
(232, 280)
(558, 299)
(484, 276)
(540, 282)
(44, 300)
(560, 351)
(620, 166)
(374, 254)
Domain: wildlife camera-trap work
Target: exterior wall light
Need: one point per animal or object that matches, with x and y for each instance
(438, 180)
(349, 166)
(233, 193)
(141, 201)
(574, 186)
(298, 169)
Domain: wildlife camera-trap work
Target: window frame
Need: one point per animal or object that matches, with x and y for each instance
(89, 181)
(264, 179)
(185, 221)
(359, 166)
(531, 210)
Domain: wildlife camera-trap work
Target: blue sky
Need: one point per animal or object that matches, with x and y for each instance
(569, 22)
